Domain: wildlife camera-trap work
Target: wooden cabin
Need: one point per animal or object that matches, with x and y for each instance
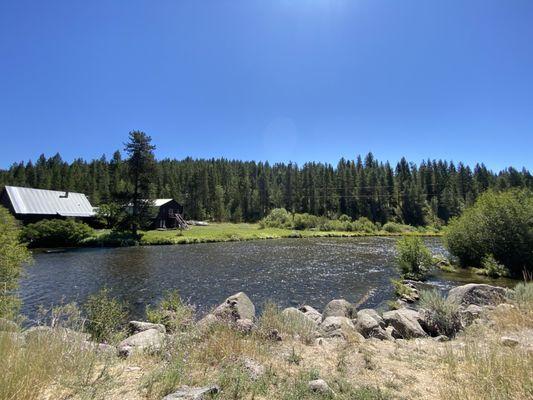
(31, 205)
(169, 214)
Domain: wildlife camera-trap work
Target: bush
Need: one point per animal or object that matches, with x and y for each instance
(305, 221)
(171, 312)
(492, 268)
(363, 224)
(278, 218)
(394, 227)
(12, 255)
(500, 224)
(414, 258)
(441, 315)
(56, 232)
(106, 316)
(523, 295)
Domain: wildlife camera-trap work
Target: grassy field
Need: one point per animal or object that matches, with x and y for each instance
(228, 232)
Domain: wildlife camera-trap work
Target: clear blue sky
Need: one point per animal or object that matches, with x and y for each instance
(270, 80)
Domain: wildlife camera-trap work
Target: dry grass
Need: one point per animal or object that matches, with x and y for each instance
(31, 367)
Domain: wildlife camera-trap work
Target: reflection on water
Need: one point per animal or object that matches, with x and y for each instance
(286, 271)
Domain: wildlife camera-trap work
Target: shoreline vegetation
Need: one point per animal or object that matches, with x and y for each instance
(227, 232)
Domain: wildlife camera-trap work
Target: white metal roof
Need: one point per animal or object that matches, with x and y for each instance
(160, 202)
(49, 202)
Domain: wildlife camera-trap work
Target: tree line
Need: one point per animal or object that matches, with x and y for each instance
(429, 193)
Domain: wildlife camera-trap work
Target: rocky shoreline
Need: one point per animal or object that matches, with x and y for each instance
(339, 321)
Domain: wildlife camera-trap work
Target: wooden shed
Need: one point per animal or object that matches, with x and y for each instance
(169, 214)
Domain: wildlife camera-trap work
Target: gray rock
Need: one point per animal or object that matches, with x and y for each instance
(99, 347)
(207, 322)
(311, 313)
(470, 314)
(370, 328)
(339, 308)
(478, 294)
(149, 340)
(238, 306)
(337, 327)
(253, 368)
(319, 386)
(441, 338)
(275, 336)
(294, 314)
(244, 325)
(405, 322)
(140, 326)
(191, 393)
(374, 314)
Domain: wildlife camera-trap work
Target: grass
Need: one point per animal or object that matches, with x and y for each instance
(228, 232)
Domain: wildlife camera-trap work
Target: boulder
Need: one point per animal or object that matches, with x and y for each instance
(339, 308)
(509, 341)
(99, 347)
(470, 314)
(405, 322)
(294, 314)
(311, 313)
(253, 368)
(207, 322)
(337, 327)
(478, 294)
(238, 306)
(244, 325)
(139, 326)
(320, 386)
(372, 313)
(149, 340)
(192, 393)
(370, 328)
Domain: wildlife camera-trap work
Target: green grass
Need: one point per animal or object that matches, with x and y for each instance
(228, 232)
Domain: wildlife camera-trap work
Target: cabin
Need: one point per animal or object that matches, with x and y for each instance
(168, 214)
(31, 205)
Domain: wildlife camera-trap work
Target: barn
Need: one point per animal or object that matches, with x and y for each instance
(168, 214)
(31, 205)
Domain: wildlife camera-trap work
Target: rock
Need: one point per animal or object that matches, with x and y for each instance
(253, 368)
(413, 292)
(405, 322)
(99, 347)
(319, 386)
(139, 326)
(274, 335)
(244, 325)
(374, 314)
(339, 308)
(149, 340)
(509, 341)
(296, 315)
(478, 294)
(191, 393)
(391, 332)
(441, 338)
(337, 327)
(311, 313)
(369, 327)
(206, 322)
(238, 306)
(470, 314)
(8, 326)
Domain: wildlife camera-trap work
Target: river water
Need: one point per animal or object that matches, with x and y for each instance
(286, 271)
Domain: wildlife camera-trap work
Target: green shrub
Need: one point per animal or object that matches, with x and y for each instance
(523, 295)
(500, 224)
(106, 316)
(363, 224)
(394, 227)
(305, 221)
(414, 258)
(171, 312)
(56, 232)
(492, 268)
(13, 255)
(278, 218)
(441, 315)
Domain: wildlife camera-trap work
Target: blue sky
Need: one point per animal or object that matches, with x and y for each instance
(273, 80)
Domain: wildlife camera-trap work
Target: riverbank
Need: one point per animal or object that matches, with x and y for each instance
(298, 353)
(228, 232)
